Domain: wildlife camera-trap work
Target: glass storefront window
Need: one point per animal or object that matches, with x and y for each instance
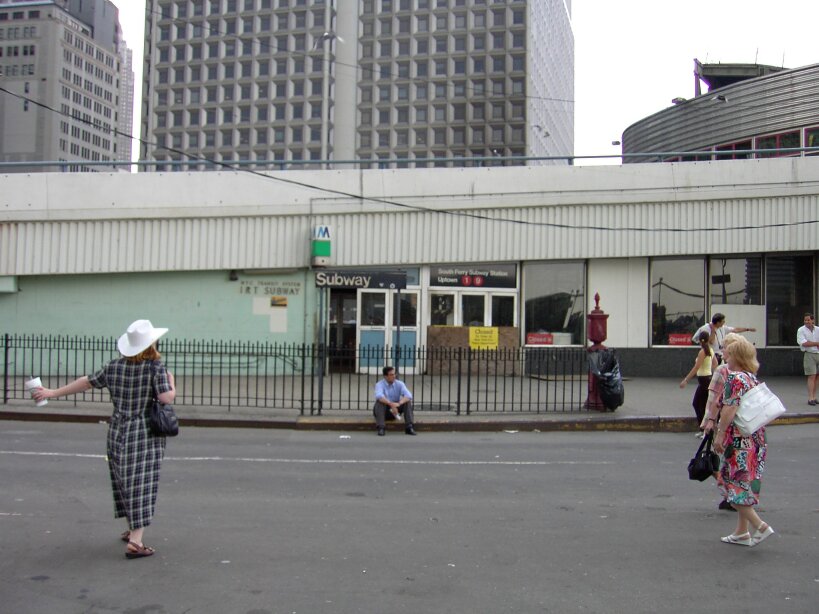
(554, 297)
(503, 310)
(789, 292)
(677, 300)
(409, 309)
(736, 281)
(373, 308)
(442, 309)
(472, 309)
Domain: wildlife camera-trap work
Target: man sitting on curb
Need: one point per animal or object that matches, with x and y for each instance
(392, 395)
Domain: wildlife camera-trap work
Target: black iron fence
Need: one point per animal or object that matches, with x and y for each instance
(308, 377)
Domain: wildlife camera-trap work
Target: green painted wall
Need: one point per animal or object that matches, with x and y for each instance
(194, 305)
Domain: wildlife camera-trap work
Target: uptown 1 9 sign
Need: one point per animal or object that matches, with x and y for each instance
(474, 276)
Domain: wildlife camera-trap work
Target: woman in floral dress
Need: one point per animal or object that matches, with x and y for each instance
(713, 408)
(743, 458)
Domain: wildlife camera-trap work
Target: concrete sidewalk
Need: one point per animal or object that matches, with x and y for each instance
(651, 404)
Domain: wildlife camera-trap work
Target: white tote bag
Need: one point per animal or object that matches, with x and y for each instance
(757, 407)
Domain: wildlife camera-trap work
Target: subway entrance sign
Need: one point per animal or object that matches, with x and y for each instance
(321, 245)
(367, 280)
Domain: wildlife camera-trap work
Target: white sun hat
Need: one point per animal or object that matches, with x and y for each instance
(139, 336)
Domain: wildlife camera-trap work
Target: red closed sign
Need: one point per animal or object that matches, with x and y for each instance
(540, 339)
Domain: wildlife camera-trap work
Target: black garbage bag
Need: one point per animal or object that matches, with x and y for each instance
(606, 369)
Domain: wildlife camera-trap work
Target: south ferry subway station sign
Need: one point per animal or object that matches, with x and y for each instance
(367, 280)
(481, 276)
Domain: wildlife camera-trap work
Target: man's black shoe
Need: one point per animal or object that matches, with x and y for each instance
(410, 431)
(381, 431)
(724, 505)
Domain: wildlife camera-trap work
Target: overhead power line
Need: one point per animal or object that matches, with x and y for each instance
(417, 208)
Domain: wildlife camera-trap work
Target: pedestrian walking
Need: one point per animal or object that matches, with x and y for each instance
(712, 412)
(134, 453)
(808, 339)
(717, 329)
(704, 365)
(743, 458)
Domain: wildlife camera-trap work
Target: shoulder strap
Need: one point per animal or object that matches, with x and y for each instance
(153, 377)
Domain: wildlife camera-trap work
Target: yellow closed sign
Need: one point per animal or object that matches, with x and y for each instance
(483, 337)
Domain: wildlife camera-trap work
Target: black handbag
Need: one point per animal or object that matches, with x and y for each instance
(162, 418)
(705, 461)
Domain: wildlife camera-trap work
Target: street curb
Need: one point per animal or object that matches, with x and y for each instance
(646, 424)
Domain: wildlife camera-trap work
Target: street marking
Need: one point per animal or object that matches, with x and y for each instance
(321, 461)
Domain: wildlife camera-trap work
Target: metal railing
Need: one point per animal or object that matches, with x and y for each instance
(313, 378)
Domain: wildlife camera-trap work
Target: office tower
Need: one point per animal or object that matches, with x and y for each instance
(381, 80)
(60, 63)
(125, 126)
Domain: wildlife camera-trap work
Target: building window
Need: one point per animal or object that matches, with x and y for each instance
(736, 149)
(472, 309)
(778, 141)
(735, 281)
(554, 297)
(789, 292)
(811, 140)
(677, 300)
(442, 310)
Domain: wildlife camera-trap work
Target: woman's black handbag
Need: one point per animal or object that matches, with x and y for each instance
(704, 463)
(162, 420)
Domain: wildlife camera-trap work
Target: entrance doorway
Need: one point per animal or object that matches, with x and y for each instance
(388, 330)
(342, 331)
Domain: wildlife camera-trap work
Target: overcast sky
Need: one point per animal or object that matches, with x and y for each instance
(633, 56)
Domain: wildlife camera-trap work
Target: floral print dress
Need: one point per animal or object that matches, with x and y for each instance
(744, 458)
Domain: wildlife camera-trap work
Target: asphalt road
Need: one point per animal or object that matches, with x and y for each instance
(269, 521)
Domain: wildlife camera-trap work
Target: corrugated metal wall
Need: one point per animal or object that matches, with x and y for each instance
(533, 233)
(754, 206)
(773, 103)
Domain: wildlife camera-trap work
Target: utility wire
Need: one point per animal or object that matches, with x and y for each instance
(416, 208)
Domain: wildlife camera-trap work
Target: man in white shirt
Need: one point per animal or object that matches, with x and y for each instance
(808, 339)
(392, 395)
(717, 330)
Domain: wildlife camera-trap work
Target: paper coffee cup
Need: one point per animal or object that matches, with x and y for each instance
(31, 385)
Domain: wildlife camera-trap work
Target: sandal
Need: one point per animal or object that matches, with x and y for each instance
(125, 536)
(740, 540)
(760, 535)
(136, 551)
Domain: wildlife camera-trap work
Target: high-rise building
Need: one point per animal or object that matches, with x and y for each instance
(125, 125)
(382, 80)
(60, 67)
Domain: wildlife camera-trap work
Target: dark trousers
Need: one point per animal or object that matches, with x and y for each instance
(701, 396)
(380, 412)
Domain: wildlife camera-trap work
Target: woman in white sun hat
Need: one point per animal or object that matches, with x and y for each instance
(134, 453)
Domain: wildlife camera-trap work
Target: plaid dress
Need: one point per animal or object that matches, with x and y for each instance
(134, 454)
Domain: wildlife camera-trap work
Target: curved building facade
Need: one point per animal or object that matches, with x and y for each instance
(778, 111)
